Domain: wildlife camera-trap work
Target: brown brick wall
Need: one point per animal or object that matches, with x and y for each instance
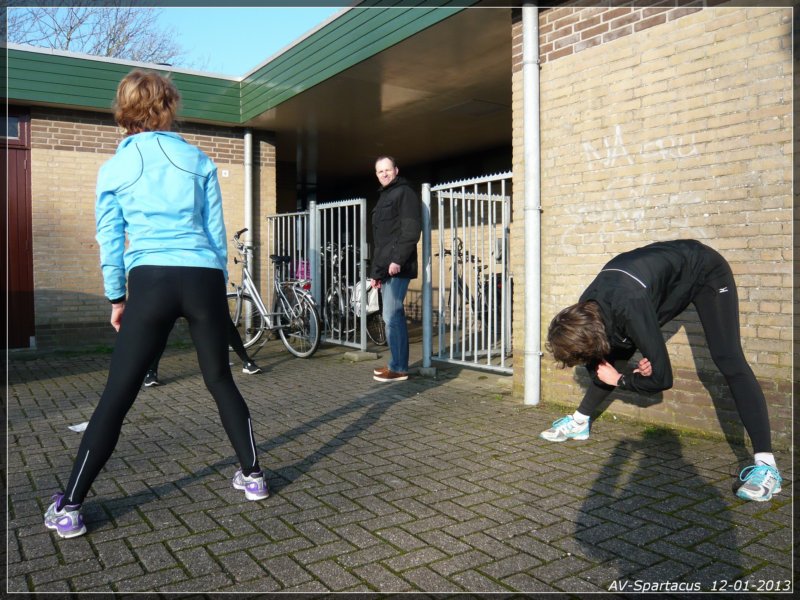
(55, 129)
(569, 30)
(68, 148)
(680, 131)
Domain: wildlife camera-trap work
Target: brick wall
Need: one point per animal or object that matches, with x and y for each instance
(680, 131)
(67, 149)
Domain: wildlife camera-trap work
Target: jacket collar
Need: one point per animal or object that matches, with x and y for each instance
(396, 181)
(144, 135)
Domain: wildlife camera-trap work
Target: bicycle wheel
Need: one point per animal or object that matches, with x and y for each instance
(376, 328)
(339, 319)
(300, 331)
(333, 313)
(239, 307)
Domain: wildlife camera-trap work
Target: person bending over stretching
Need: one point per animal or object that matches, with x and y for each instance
(164, 194)
(623, 309)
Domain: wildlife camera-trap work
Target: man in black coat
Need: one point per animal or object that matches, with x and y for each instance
(396, 228)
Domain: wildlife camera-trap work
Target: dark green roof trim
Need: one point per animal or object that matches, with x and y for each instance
(86, 83)
(79, 81)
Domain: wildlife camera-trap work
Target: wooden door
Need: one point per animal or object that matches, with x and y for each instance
(21, 328)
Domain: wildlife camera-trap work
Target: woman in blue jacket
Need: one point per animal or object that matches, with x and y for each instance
(623, 310)
(162, 193)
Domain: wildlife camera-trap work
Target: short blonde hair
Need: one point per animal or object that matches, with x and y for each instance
(145, 101)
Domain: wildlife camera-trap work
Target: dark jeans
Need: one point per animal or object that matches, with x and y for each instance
(157, 296)
(717, 305)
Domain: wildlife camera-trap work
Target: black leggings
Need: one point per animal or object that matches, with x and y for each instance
(717, 305)
(157, 296)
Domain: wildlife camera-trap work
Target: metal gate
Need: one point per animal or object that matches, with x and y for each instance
(339, 231)
(328, 244)
(473, 321)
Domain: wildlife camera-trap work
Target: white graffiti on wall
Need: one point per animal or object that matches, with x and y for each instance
(614, 153)
(614, 150)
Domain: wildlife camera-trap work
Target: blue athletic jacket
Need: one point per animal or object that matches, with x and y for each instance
(163, 193)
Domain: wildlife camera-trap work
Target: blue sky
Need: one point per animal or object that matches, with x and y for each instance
(232, 41)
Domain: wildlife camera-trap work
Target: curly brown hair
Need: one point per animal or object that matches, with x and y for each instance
(145, 101)
(577, 335)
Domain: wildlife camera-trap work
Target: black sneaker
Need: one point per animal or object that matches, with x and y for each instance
(151, 379)
(251, 368)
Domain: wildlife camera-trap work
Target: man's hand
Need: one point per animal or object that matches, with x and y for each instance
(116, 314)
(607, 373)
(376, 283)
(644, 368)
(394, 269)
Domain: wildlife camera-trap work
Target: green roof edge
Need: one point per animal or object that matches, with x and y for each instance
(63, 79)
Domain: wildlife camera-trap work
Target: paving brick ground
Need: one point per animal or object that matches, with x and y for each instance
(436, 485)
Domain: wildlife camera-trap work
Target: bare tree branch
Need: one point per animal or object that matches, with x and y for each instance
(114, 31)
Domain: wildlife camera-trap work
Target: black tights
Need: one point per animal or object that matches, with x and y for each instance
(157, 297)
(719, 314)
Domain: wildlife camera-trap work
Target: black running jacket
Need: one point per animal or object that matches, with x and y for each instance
(641, 290)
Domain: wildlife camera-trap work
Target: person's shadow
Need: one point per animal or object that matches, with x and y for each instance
(650, 516)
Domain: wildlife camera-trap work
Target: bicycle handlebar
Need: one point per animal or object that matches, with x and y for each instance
(461, 255)
(241, 246)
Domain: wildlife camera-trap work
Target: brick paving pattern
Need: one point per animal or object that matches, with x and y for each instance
(435, 485)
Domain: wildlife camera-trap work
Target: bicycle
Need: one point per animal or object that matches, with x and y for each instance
(478, 312)
(294, 313)
(342, 312)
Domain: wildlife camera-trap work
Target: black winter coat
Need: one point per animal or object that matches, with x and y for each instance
(396, 228)
(641, 290)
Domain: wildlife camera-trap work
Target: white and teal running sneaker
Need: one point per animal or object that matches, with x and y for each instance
(566, 428)
(760, 483)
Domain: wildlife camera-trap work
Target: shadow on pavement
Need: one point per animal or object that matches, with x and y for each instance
(646, 504)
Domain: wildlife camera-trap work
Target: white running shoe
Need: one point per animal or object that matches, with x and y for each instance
(566, 428)
(760, 483)
(254, 486)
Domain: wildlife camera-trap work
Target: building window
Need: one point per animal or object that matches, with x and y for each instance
(12, 128)
(17, 128)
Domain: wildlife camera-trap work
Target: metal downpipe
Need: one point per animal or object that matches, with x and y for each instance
(427, 284)
(532, 355)
(248, 192)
